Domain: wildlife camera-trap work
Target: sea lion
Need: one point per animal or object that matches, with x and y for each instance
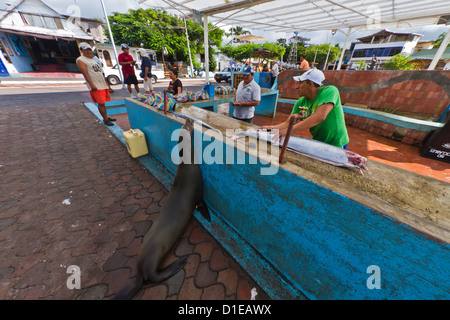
(185, 195)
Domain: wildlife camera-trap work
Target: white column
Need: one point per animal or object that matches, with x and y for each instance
(205, 32)
(343, 49)
(329, 49)
(440, 51)
(189, 48)
(113, 44)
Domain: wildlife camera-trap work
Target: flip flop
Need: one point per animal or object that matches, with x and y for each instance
(111, 119)
(108, 123)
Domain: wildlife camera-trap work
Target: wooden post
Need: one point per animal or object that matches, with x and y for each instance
(165, 101)
(292, 120)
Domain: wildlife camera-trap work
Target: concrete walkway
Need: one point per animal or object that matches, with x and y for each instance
(72, 195)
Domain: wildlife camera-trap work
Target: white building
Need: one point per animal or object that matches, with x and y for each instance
(33, 36)
(384, 45)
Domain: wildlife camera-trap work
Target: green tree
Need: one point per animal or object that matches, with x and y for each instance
(439, 39)
(319, 52)
(399, 62)
(322, 51)
(360, 65)
(247, 50)
(236, 31)
(154, 29)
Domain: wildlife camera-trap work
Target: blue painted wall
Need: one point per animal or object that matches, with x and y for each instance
(21, 63)
(3, 71)
(320, 240)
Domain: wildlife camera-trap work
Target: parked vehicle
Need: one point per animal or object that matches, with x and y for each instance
(202, 74)
(113, 74)
(224, 75)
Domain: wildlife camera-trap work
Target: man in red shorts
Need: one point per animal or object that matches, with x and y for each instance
(95, 81)
(127, 62)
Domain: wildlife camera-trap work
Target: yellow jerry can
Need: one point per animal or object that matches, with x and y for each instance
(136, 144)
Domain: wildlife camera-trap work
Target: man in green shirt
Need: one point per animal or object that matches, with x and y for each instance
(324, 113)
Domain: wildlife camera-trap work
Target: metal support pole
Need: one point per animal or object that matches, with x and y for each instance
(189, 48)
(205, 32)
(113, 44)
(440, 51)
(329, 49)
(315, 55)
(343, 49)
(326, 60)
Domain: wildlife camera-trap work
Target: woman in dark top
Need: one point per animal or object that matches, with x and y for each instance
(175, 86)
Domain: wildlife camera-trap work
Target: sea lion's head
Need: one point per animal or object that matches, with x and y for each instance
(186, 133)
(189, 125)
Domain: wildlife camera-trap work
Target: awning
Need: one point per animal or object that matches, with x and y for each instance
(429, 54)
(67, 34)
(311, 15)
(250, 37)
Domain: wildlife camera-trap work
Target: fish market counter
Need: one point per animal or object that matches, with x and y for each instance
(267, 106)
(306, 229)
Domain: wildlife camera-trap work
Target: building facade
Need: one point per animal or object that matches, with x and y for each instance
(382, 46)
(34, 37)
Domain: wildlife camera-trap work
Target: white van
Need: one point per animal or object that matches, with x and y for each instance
(113, 74)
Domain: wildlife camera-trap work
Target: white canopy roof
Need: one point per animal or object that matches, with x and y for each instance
(311, 15)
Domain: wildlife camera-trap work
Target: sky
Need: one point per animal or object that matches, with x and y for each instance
(93, 9)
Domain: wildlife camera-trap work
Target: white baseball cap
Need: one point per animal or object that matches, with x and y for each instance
(84, 46)
(313, 75)
(124, 46)
(143, 52)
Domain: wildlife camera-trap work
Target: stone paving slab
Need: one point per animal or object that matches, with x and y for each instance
(56, 154)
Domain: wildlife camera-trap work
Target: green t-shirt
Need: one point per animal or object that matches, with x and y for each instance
(332, 130)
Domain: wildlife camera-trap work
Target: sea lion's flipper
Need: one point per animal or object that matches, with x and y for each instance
(169, 271)
(129, 290)
(203, 209)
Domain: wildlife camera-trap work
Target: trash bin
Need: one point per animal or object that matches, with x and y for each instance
(437, 145)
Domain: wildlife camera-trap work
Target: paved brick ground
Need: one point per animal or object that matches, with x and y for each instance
(51, 153)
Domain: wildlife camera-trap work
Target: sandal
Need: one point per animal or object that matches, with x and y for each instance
(108, 123)
(111, 119)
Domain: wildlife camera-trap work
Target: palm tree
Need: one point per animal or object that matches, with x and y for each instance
(438, 41)
(236, 31)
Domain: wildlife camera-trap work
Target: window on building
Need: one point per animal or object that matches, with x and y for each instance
(50, 23)
(33, 20)
(27, 19)
(58, 23)
(40, 21)
(395, 51)
(25, 22)
(378, 52)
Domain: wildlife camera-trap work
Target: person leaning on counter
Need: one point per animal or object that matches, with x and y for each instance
(324, 112)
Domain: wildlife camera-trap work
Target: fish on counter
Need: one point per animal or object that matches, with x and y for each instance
(311, 148)
(327, 153)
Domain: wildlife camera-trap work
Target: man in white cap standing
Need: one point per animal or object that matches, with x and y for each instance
(146, 71)
(248, 96)
(324, 113)
(127, 62)
(95, 81)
